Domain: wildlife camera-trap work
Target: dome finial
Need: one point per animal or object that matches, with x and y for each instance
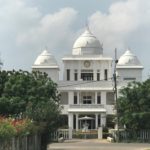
(46, 47)
(87, 26)
(128, 48)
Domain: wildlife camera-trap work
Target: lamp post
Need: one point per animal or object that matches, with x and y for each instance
(115, 91)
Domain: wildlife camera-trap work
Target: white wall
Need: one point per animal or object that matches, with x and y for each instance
(52, 73)
(95, 65)
(130, 73)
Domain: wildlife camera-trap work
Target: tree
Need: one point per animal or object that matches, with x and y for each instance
(134, 105)
(31, 95)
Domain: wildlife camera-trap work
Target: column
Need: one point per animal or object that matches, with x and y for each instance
(95, 75)
(103, 97)
(70, 97)
(77, 127)
(102, 73)
(70, 120)
(103, 119)
(95, 97)
(71, 75)
(96, 121)
(70, 124)
(79, 75)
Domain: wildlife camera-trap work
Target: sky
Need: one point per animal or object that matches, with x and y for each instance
(28, 26)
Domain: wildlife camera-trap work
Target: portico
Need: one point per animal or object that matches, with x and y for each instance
(93, 117)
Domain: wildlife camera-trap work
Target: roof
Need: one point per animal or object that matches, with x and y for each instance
(45, 60)
(87, 44)
(129, 60)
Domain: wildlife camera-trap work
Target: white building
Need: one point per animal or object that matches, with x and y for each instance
(86, 91)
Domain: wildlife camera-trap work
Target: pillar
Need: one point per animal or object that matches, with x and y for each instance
(103, 119)
(79, 75)
(95, 75)
(103, 97)
(100, 133)
(77, 120)
(70, 120)
(96, 121)
(70, 97)
(70, 124)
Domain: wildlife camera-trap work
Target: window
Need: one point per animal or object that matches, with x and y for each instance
(87, 74)
(68, 74)
(75, 98)
(98, 98)
(87, 99)
(75, 75)
(105, 74)
(129, 78)
(98, 76)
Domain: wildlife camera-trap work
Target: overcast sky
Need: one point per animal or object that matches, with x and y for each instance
(27, 26)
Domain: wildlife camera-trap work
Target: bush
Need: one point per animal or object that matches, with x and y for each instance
(7, 130)
(10, 127)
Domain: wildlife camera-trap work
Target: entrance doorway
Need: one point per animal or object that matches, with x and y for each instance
(86, 122)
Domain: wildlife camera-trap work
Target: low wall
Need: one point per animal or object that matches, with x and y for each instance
(133, 136)
(22, 143)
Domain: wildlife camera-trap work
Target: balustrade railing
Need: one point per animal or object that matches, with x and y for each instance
(86, 106)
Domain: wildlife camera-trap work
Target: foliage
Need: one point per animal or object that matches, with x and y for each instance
(10, 127)
(31, 94)
(7, 130)
(134, 105)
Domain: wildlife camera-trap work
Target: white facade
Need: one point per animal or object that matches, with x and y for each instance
(87, 94)
(47, 63)
(129, 67)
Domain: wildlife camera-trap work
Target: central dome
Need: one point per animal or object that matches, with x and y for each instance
(87, 44)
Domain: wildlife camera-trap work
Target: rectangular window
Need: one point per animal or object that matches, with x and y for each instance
(105, 74)
(68, 74)
(87, 99)
(98, 99)
(98, 76)
(75, 75)
(75, 98)
(129, 78)
(87, 74)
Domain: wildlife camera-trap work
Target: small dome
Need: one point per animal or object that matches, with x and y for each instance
(45, 59)
(128, 59)
(87, 43)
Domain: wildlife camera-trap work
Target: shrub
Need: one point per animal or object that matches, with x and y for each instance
(10, 127)
(6, 129)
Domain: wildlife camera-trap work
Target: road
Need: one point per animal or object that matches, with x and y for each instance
(96, 145)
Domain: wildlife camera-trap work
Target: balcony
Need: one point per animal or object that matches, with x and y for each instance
(86, 106)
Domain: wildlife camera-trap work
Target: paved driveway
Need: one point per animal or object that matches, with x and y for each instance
(96, 145)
